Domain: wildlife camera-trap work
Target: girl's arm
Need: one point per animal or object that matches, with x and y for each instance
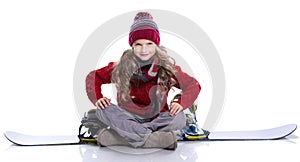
(94, 81)
(190, 88)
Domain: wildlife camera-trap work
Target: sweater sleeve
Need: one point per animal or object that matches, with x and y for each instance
(190, 88)
(94, 81)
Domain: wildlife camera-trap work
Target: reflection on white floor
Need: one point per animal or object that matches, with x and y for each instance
(272, 150)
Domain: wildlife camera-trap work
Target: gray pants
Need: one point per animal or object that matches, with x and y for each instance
(136, 130)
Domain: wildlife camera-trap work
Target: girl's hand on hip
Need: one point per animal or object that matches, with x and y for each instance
(175, 108)
(102, 103)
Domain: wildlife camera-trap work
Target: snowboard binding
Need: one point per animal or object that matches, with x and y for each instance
(90, 127)
(191, 131)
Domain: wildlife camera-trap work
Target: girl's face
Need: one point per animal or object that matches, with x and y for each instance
(144, 49)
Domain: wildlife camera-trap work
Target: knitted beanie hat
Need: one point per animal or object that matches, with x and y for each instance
(144, 27)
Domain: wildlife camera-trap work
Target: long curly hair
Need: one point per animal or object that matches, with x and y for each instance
(128, 63)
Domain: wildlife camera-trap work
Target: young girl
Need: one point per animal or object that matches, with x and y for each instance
(143, 77)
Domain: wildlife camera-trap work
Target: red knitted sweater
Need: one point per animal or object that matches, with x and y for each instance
(140, 102)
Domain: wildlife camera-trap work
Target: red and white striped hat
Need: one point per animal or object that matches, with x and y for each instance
(144, 27)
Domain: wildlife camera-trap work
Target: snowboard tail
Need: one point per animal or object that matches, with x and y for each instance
(265, 134)
(32, 140)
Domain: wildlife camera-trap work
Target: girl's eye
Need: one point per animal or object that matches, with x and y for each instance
(138, 44)
(150, 43)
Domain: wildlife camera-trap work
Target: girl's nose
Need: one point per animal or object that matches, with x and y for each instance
(144, 48)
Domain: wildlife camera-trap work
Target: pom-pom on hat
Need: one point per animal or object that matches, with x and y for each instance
(144, 27)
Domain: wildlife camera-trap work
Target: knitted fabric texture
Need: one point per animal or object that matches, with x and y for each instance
(144, 27)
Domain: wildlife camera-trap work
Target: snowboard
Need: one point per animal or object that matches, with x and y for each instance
(36, 140)
(264, 134)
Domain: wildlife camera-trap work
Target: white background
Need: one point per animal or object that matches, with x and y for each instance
(258, 42)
